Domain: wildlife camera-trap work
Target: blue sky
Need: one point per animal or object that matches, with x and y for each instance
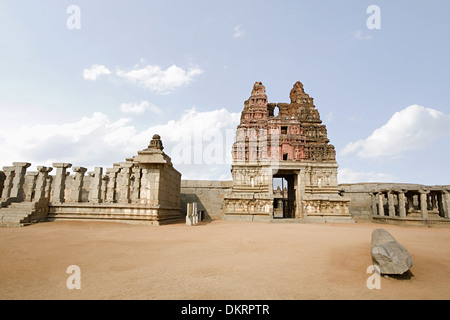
(95, 95)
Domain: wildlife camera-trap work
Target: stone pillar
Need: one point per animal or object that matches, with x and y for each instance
(48, 187)
(433, 201)
(105, 180)
(111, 191)
(402, 204)
(60, 181)
(31, 190)
(424, 204)
(410, 201)
(20, 168)
(95, 193)
(136, 184)
(188, 214)
(7, 186)
(446, 203)
(125, 183)
(2, 180)
(380, 204)
(77, 187)
(41, 181)
(195, 213)
(373, 195)
(391, 204)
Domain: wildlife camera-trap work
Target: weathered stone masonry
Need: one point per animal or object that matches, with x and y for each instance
(143, 189)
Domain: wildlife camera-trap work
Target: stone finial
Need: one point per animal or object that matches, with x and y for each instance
(156, 143)
(259, 90)
(299, 96)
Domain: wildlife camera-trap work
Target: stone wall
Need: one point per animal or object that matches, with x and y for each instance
(208, 194)
(360, 206)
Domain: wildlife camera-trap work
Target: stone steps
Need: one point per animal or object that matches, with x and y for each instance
(16, 214)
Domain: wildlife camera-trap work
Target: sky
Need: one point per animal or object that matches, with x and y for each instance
(90, 82)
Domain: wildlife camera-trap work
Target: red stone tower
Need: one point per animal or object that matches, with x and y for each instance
(292, 145)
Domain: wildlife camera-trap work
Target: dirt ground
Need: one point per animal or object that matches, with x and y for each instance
(216, 260)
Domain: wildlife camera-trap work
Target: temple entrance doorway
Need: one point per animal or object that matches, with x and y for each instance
(284, 203)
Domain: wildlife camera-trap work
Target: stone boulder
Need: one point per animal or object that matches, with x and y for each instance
(388, 254)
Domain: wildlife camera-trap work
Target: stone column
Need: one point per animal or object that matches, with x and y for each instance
(125, 183)
(20, 168)
(2, 180)
(105, 180)
(391, 204)
(60, 181)
(48, 187)
(402, 204)
(41, 181)
(77, 187)
(30, 194)
(188, 214)
(380, 204)
(424, 203)
(373, 197)
(110, 193)
(7, 186)
(446, 203)
(410, 201)
(95, 194)
(136, 184)
(433, 201)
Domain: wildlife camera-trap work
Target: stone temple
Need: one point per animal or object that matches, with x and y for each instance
(284, 169)
(291, 145)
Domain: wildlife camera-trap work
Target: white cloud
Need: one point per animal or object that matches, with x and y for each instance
(412, 128)
(87, 141)
(158, 80)
(238, 32)
(199, 143)
(95, 71)
(359, 35)
(139, 107)
(198, 138)
(347, 175)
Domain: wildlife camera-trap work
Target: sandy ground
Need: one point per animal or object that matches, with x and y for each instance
(216, 260)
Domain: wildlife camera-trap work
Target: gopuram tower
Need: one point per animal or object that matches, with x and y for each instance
(292, 147)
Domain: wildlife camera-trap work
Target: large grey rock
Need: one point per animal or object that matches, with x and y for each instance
(388, 254)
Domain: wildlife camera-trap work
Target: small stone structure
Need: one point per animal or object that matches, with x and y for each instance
(143, 189)
(192, 214)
